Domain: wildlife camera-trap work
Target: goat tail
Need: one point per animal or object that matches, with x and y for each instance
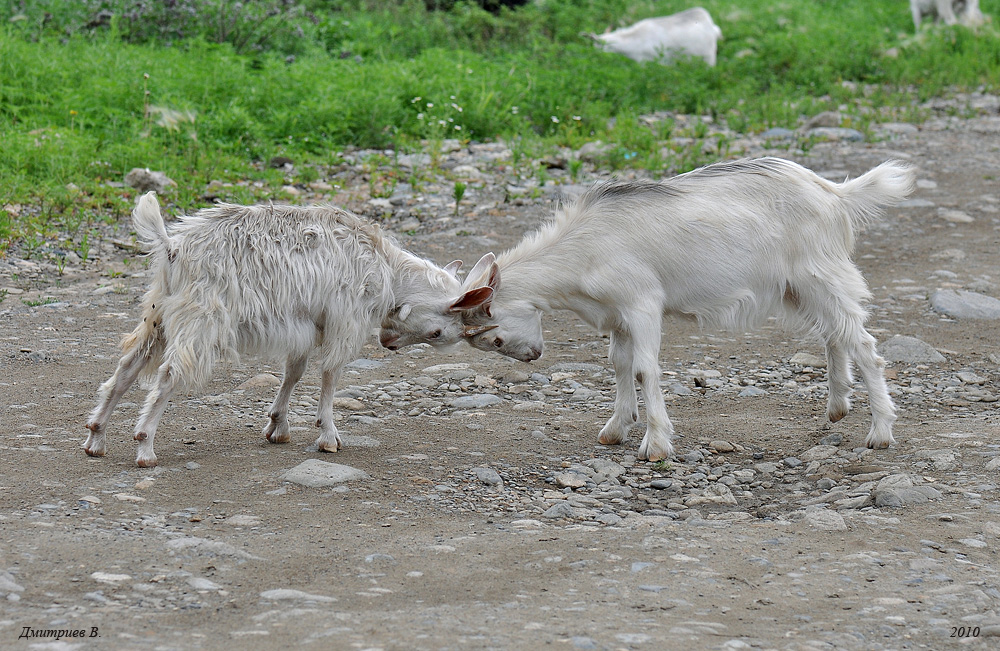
(877, 189)
(149, 224)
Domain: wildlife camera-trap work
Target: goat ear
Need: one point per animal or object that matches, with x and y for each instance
(494, 281)
(453, 267)
(404, 311)
(479, 271)
(470, 300)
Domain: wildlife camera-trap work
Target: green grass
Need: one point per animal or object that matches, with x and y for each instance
(82, 106)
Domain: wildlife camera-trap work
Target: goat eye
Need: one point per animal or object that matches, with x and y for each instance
(434, 335)
(498, 342)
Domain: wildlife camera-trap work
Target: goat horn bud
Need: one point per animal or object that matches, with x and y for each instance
(478, 330)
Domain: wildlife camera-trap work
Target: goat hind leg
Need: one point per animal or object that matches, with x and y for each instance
(840, 317)
(152, 412)
(329, 438)
(870, 365)
(110, 393)
(276, 430)
(839, 381)
(626, 406)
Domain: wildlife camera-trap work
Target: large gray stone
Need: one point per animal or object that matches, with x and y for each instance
(961, 304)
(314, 473)
(909, 350)
(826, 520)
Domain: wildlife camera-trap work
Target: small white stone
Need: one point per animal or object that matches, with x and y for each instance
(106, 577)
(283, 594)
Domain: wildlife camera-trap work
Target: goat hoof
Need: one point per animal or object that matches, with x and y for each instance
(652, 452)
(610, 439)
(325, 446)
(279, 438)
(837, 412)
(94, 452)
(276, 434)
(146, 463)
(612, 434)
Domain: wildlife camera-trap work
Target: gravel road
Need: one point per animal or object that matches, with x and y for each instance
(482, 513)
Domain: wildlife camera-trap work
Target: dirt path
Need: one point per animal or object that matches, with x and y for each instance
(489, 517)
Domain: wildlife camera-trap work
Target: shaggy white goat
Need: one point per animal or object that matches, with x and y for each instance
(273, 280)
(952, 12)
(729, 244)
(688, 33)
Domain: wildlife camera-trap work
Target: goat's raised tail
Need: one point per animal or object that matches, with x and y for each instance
(149, 224)
(868, 195)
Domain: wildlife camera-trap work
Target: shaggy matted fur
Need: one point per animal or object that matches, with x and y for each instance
(281, 281)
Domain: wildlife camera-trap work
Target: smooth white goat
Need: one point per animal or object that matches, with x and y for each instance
(951, 12)
(729, 244)
(688, 33)
(274, 280)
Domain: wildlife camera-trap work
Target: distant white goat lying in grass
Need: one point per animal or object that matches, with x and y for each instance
(688, 33)
(951, 12)
(275, 280)
(729, 244)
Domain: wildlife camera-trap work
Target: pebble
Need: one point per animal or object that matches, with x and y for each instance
(107, 577)
(808, 359)
(559, 510)
(817, 453)
(261, 381)
(285, 594)
(778, 133)
(722, 446)
(956, 216)
(8, 584)
(570, 480)
(488, 476)
(200, 583)
(836, 134)
(477, 401)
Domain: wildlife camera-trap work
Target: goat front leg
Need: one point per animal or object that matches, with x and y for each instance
(626, 411)
(656, 444)
(329, 437)
(276, 430)
(152, 412)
